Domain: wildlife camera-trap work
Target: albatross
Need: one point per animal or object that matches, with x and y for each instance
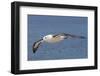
(54, 38)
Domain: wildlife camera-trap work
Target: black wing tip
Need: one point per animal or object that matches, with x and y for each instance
(34, 50)
(82, 37)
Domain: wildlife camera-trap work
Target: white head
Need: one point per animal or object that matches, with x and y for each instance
(47, 37)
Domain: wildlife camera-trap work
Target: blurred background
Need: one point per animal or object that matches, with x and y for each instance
(41, 25)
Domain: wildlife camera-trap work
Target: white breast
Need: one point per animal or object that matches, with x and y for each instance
(55, 39)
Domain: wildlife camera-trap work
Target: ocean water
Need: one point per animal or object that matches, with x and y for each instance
(39, 26)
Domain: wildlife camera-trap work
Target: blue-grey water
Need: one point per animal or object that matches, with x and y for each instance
(39, 26)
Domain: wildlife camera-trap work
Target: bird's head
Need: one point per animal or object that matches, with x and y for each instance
(47, 37)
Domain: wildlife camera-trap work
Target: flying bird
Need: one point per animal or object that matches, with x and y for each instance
(53, 38)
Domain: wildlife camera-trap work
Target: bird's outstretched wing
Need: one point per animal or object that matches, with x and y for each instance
(68, 36)
(36, 45)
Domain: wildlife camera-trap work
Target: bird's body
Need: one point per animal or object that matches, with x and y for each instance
(54, 39)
